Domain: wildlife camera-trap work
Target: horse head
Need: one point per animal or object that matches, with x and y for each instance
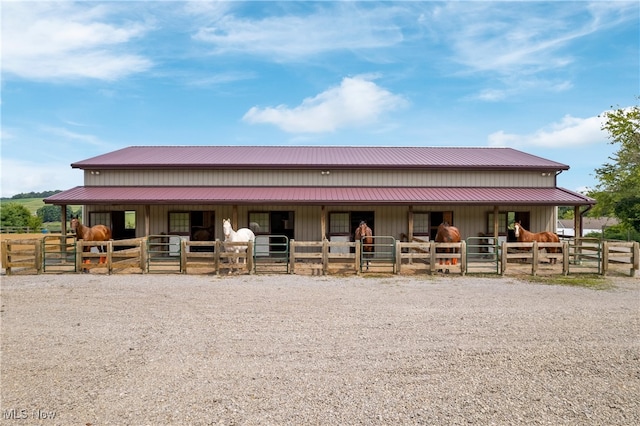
(517, 226)
(226, 227)
(74, 224)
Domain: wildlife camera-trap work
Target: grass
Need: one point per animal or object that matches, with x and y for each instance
(33, 204)
(594, 282)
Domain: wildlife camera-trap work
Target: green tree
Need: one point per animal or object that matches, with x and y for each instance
(49, 213)
(618, 190)
(17, 215)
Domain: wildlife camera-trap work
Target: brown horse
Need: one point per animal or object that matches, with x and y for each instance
(525, 236)
(95, 233)
(448, 234)
(365, 234)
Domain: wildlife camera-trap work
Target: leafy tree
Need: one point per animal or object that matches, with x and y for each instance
(565, 212)
(618, 190)
(17, 215)
(49, 213)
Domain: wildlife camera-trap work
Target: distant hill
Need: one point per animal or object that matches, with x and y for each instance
(32, 200)
(23, 195)
(33, 204)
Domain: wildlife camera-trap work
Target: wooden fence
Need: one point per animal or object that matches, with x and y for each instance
(58, 254)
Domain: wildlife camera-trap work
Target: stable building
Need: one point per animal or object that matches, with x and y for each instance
(309, 193)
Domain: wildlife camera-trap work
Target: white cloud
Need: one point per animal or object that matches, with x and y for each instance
(527, 38)
(569, 132)
(342, 26)
(356, 101)
(523, 46)
(61, 40)
(66, 134)
(20, 176)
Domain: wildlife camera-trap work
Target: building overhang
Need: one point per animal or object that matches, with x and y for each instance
(303, 195)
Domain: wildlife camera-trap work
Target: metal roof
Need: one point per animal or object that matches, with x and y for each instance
(269, 157)
(317, 195)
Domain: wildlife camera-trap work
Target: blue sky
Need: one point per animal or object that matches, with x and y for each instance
(80, 79)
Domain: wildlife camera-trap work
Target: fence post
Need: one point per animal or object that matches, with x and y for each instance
(325, 256)
(432, 253)
(109, 256)
(358, 256)
(5, 257)
(565, 258)
(79, 256)
(635, 258)
(38, 256)
(503, 257)
(250, 265)
(398, 257)
(463, 257)
(144, 254)
(292, 256)
(605, 257)
(183, 256)
(534, 258)
(216, 256)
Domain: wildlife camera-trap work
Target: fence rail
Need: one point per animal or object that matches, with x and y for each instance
(171, 254)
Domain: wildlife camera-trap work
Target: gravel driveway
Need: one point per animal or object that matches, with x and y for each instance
(292, 350)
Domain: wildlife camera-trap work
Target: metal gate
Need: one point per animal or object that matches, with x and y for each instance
(59, 253)
(164, 253)
(585, 255)
(483, 255)
(271, 253)
(382, 256)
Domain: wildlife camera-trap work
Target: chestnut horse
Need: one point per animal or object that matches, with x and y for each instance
(365, 234)
(95, 233)
(525, 236)
(448, 234)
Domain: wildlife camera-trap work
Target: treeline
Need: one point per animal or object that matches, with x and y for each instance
(43, 194)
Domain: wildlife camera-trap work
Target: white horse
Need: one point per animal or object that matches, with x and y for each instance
(242, 235)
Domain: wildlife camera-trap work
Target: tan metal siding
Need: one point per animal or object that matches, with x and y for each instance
(314, 178)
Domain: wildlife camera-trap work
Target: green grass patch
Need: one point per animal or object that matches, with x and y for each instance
(594, 282)
(33, 204)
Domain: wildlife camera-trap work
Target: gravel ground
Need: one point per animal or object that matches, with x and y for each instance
(281, 349)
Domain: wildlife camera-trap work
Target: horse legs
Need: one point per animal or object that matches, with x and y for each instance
(103, 259)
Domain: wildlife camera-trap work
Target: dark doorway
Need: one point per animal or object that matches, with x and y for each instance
(281, 223)
(357, 217)
(121, 226)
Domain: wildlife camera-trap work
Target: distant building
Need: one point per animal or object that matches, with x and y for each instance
(589, 225)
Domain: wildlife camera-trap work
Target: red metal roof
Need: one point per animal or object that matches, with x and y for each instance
(257, 157)
(317, 195)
